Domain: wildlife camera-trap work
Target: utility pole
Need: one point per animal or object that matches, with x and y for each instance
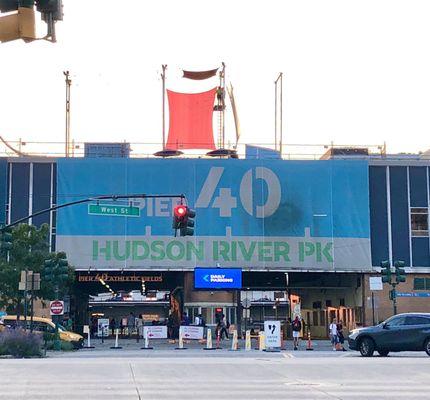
(163, 79)
(278, 119)
(68, 85)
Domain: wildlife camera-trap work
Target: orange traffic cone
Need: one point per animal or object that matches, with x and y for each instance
(309, 345)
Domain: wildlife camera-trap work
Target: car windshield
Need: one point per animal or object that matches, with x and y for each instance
(387, 321)
(395, 320)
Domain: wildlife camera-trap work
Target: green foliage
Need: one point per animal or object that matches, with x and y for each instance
(30, 249)
(19, 343)
(67, 346)
(64, 346)
(48, 337)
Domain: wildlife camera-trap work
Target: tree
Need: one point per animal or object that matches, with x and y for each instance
(30, 248)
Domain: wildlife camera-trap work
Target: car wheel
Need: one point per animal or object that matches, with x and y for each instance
(427, 346)
(383, 353)
(367, 347)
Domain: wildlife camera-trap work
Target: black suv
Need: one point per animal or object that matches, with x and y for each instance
(402, 332)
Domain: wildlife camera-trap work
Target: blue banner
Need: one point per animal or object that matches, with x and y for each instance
(249, 213)
(218, 278)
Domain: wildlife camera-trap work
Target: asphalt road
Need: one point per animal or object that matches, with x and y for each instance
(195, 374)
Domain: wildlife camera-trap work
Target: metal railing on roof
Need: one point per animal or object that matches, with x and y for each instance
(290, 151)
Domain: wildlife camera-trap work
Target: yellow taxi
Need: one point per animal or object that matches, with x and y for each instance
(43, 325)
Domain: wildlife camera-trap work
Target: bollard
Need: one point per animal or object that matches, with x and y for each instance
(234, 343)
(309, 345)
(248, 340)
(146, 345)
(218, 339)
(116, 341)
(89, 342)
(209, 340)
(261, 341)
(181, 342)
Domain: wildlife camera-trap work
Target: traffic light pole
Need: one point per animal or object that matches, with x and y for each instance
(394, 295)
(399, 278)
(57, 342)
(96, 198)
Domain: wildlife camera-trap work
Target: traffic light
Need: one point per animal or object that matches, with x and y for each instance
(48, 270)
(386, 272)
(50, 7)
(400, 271)
(183, 220)
(62, 268)
(5, 240)
(179, 213)
(188, 225)
(56, 270)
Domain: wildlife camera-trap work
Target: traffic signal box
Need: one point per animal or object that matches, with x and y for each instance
(183, 219)
(5, 240)
(386, 272)
(56, 270)
(400, 271)
(400, 276)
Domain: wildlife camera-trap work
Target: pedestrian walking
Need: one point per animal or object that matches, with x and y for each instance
(123, 324)
(223, 327)
(185, 319)
(93, 326)
(131, 323)
(340, 334)
(296, 327)
(112, 325)
(140, 324)
(333, 333)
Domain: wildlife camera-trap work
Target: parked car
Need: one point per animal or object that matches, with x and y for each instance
(402, 332)
(42, 325)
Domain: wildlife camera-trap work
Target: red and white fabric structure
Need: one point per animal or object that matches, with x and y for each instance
(190, 120)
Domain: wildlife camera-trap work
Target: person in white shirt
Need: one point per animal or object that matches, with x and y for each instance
(333, 333)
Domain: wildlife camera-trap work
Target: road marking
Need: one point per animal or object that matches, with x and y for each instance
(288, 355)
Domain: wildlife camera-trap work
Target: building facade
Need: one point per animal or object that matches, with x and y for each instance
(306, 234)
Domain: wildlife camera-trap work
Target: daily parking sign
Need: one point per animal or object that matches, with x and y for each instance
(272, 333)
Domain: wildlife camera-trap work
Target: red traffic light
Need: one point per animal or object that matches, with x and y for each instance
(180, 211)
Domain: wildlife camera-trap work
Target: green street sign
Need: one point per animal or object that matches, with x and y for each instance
(116, 211)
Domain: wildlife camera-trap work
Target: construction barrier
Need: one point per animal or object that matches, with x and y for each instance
(309, 345)
(146, 345)
(218, 339)
(248, 340)
(87, 330)
(181, 342)
(234, 343)
(261, 341)
(209, 340)
(116, 341)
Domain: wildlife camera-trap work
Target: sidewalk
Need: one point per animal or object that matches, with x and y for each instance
(163, 344)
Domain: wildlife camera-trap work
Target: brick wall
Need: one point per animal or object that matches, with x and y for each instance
(384, 306)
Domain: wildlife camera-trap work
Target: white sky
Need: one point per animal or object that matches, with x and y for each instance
(355, 72)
